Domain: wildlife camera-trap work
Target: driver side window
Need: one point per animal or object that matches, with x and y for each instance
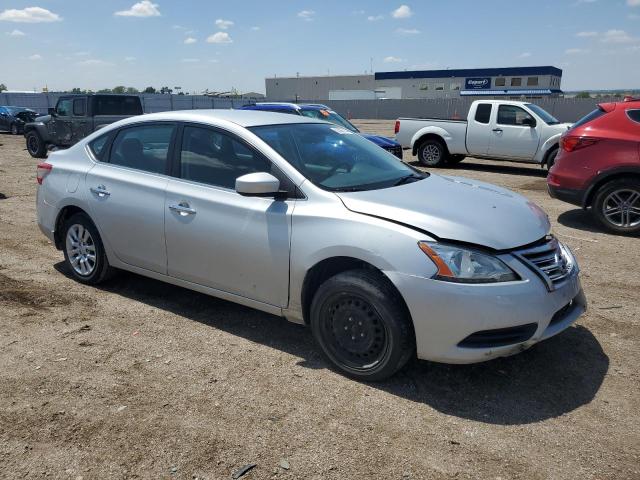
(513, 115)
(63, 109)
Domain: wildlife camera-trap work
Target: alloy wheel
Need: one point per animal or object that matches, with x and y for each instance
(81, 250)
(431, 154)
(622, 208)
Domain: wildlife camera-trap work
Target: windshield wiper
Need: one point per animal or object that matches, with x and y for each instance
(347, 189)
(406, 178)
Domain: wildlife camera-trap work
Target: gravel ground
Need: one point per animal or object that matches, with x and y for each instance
(138, 379)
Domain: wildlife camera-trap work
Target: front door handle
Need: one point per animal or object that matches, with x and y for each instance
(100, 191)
(497, 130)
(183, 208)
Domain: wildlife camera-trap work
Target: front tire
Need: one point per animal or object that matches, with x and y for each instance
(432, 153)
(35, 145)
(362, 326)
(617, 206)
(84, 252)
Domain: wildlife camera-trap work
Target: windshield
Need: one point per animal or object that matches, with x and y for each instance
(543, 114)
(335, 158)
(329, 116)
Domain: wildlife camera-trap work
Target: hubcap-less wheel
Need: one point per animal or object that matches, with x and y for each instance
(81, 250)
(33, 144)
(354, 332)
(622, 208)
(431, 154)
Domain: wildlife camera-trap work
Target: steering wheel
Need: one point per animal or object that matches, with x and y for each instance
(347, 166)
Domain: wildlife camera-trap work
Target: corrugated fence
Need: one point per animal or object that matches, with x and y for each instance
(564, 109)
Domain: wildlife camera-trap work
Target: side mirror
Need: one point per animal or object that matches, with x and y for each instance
(529, 122)
(257, 184)
(51, 111)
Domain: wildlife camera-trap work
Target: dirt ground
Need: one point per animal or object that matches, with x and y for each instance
(138, 379)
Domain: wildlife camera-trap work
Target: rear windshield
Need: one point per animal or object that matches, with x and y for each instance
(117, 106)
(597, 113)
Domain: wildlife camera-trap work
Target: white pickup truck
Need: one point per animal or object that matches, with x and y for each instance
(495, 129)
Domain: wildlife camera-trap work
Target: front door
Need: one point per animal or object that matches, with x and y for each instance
(61, 124)
(217, 237)
(127, 194)
(512, 136)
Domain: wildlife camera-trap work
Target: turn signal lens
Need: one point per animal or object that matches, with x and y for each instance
(443, 269)
(42, 170)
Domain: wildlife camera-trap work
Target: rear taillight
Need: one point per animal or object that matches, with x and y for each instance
(42, 171)
(396, 129)
(572, 143)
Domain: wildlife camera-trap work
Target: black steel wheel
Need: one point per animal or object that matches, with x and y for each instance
(35, 145)
(362, 325)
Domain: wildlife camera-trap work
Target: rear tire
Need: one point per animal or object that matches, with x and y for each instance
(35, 145)
(362, 326)
(84, 251)
(617, 206)
(432, 153)
(14, 129)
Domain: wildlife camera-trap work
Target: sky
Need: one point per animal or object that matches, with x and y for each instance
(220, 45)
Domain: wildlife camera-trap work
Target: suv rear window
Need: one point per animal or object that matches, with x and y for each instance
(597, 113)
(107, 105)
(634, 115)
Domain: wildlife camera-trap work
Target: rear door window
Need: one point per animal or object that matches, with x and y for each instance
(597, 113)
(634, 115)
(144, 147)
(114, 105)
(79, 107)
(483, 113)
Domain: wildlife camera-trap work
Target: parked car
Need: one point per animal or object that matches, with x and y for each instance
(323, 112)
(598, 167)
(75, 117)
(494, 129)
(13, 119)
(297, 217)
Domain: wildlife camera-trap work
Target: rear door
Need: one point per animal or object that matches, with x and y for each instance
(127, 193)
(217, 237)
(511, 137)
(479, 129)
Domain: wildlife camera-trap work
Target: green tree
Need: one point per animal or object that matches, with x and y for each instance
(76, 90)
(3, 87)
(132, 90)
(583, 95)
(119, 89)
(149, 90)
(164, 90)
(105, 90)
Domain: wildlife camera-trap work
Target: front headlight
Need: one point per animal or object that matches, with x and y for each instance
(464, 265)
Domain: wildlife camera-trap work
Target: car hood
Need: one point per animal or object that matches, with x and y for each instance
(380, 140)
(458, 209)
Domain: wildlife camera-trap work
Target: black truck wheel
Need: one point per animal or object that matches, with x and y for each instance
(35, 145)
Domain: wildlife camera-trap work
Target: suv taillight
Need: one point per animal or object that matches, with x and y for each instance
(397, 127)
(42, 170)
(571, 143)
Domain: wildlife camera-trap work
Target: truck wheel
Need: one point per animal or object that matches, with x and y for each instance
(432, 153)
(35, 145)
(551, 157)
(362, 326)
(14, 129)
(617, 206)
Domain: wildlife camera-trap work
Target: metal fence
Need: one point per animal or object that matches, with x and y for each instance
(565, 109)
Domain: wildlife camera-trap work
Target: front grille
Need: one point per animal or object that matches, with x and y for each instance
(549, 261)
(499, 337)
(397, 151)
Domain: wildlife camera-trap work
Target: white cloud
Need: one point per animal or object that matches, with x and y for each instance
(375, 18)
(580, 2)
(223, 24)
(403, 11)
(82, 54)
(586, 34)
(524, 55)
(190, 60)
(141, 9)
(94, 62)
(35, 57)
(307, 15)
(633, 3)
(16, 33)
(129, 59)
(189, 40)
(408, 31)
(255, 28)
(29, 15)
(219, 37)
(575, 51)
(617, 36)
(392, 59)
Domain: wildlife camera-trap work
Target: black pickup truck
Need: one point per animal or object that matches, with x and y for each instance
(75, 117)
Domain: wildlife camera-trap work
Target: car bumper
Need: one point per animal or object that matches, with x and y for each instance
(575, 197)
(46, 216)
(445, 315)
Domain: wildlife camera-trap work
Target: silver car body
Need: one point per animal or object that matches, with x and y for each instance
(258, 251)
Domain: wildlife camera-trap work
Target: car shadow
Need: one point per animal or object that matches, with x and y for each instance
(579, 219)
(552, 378)
(467, 165)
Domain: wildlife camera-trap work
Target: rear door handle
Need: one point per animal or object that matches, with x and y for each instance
(497, 130)
(183, 208)
(100, 191)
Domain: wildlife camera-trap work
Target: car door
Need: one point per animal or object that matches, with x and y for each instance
(479, 130)
(80, 122)
(217, 237)
(514, 134)
(127, 193)
(62, 122)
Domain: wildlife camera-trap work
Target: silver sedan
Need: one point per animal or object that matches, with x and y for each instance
(305, 219)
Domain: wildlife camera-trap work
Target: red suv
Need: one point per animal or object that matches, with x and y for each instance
(598, 166)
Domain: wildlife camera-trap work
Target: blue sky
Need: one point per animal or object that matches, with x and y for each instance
(198, 44)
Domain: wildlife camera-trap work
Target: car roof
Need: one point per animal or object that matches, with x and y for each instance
(244, 118)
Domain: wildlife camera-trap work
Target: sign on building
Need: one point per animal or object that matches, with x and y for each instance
(477, 83)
